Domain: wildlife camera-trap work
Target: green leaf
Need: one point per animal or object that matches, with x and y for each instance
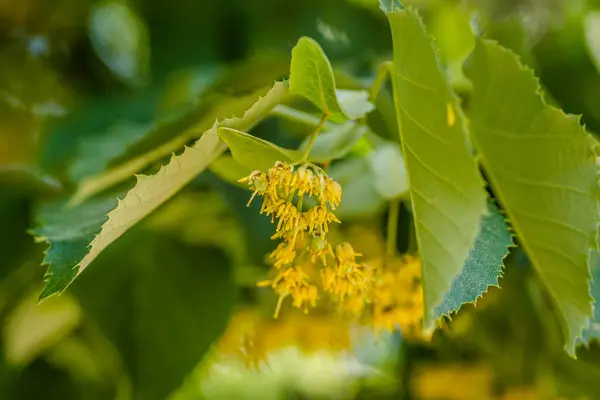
(543, 170)
(78, 235)
(360, 197)
(120, 38)
(336, 142)
(95, 153)
(32, 329)
(484, 265)
(165, 308)
(389, 171)
(255, 153)
(388, 6)
(312, 77)
(183, 128)
(447, 194)
(354, 103)
(226, 168)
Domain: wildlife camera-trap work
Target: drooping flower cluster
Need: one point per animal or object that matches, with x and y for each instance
(397, 300)
(387, 293)
(284, 189)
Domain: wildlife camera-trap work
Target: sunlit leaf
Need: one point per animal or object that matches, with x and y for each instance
(336, 142)
(543, 170)
(255, 153)
(484, 265)
(312, 77)
(389, 171)
(447, 194)
(30, 329)
(354, 103)
(76, 240)
(120, 38)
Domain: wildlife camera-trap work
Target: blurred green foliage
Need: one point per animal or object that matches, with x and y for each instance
(87, 85)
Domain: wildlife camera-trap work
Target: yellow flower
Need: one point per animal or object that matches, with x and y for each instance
(303, 181)
(258, 182)
(398, 298)
(347, 280)
(345, 253)
(332, 193)
(318, 219)
(293, 281)
(279, 186)
(284, 254)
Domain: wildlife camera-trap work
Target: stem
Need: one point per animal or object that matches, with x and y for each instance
(295, 115)
(392, 227)
(313, 137)
(279, 304)
(382, 73)
(299, 203)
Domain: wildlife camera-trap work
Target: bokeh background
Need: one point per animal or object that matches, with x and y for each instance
(81, 82)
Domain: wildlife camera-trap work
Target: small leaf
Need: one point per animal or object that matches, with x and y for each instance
(447, 194)
(255, 153)
(484, 265)
(354, 103)
(78, 235)
(226, 168)
(389, 171)
(32, 329)
(336, 142)
(311, 76)
(543, 171)
(120, 38)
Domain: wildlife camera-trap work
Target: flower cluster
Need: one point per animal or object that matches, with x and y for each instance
(386, 292)
(284, 189)
(397, 299)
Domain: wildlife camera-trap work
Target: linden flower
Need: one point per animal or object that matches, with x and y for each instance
(258, 182)
(279, 186)
(328, 190)
(293, 281)
(318, 219)
(398, 299)
(348, 277)
(284, 254)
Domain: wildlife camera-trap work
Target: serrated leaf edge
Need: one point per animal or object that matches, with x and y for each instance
(97, 245)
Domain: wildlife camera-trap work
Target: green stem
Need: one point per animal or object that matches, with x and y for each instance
(382, 72)
(313, 137)
(299, 203)
(295, 115)
(392, 227)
